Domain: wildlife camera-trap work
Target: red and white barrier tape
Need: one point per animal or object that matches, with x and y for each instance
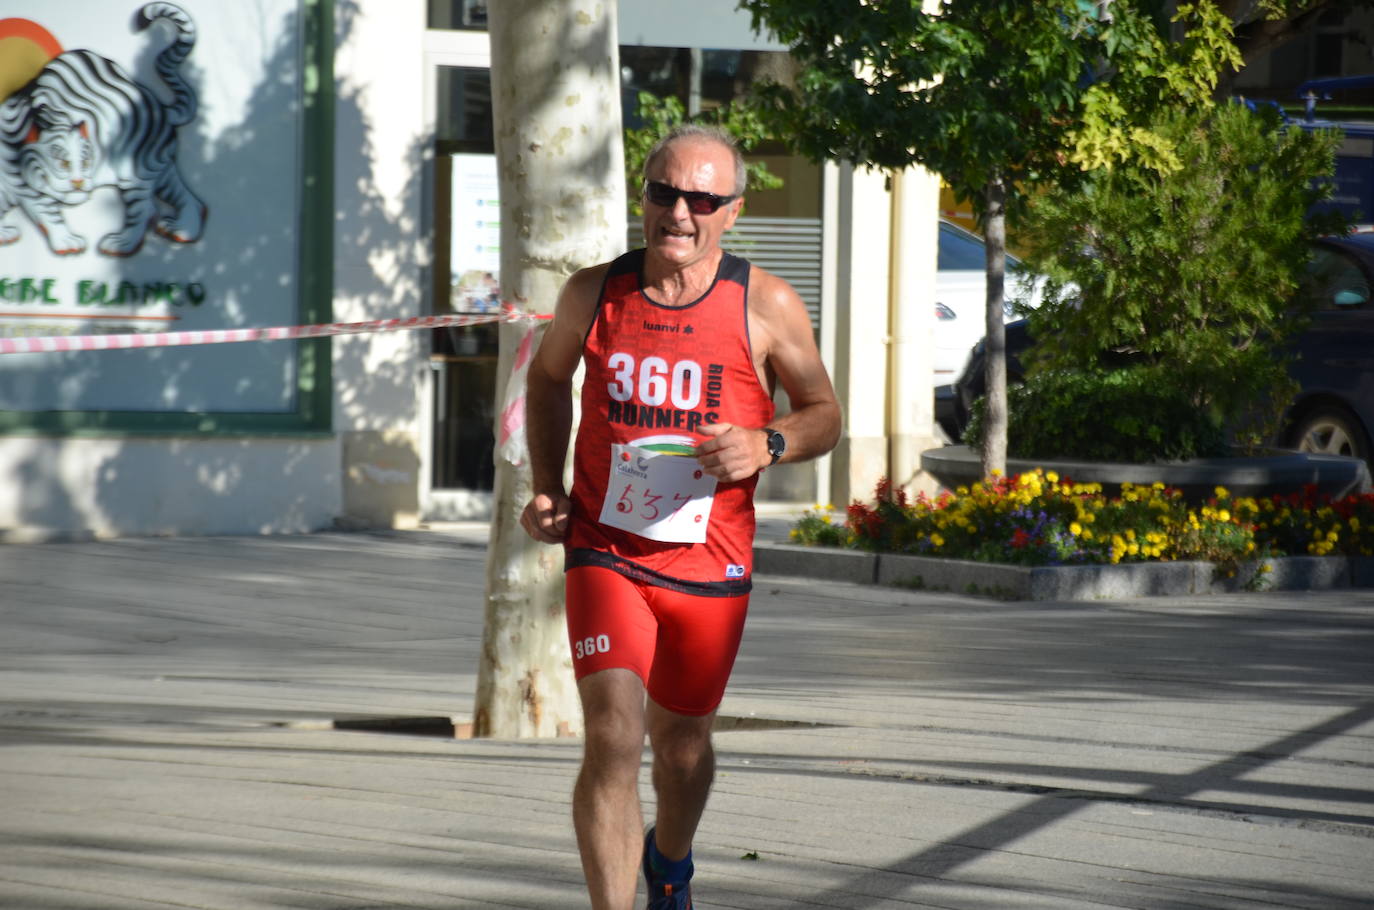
(57, 343)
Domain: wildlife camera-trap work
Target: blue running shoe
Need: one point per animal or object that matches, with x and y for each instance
(666, 893)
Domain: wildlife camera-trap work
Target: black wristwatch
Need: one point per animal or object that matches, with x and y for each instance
(776, 444)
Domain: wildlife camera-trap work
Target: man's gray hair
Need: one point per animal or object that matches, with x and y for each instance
(698, 131)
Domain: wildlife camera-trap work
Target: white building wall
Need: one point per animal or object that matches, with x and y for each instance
(381, 145)
(80, 488)
(367, 469)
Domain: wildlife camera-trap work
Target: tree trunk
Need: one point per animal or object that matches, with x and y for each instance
(995, 339)
(556, 112)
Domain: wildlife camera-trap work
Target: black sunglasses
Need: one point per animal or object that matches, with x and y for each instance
(698, 203)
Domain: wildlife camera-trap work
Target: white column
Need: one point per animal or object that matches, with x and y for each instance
(861, 331)
(911, 402)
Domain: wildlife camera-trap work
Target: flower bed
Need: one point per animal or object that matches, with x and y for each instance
(1038, 519)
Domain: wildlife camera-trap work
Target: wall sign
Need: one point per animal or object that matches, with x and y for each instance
(152, 164)
(475, 245)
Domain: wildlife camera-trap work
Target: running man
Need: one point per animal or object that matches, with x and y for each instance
(683, 344)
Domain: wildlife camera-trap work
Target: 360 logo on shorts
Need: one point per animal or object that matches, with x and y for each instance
(591, 645)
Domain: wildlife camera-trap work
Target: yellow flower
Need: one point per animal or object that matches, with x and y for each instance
(1052, 477)
(1076, 529)
(1224, 515)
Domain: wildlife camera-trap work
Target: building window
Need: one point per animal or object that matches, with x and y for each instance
(458, 14)
(466, 278)
(463, 119)
(1327, 51)
(701, 79)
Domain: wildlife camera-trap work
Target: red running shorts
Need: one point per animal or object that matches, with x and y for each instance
(682, 646)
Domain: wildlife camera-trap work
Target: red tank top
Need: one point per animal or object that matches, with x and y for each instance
(654, 375)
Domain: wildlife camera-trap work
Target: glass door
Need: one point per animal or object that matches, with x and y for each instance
(464, 231)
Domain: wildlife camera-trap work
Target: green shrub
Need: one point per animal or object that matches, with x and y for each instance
(1190, 275)
(1133, 415)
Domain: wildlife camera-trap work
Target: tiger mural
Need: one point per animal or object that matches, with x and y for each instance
(82, 123)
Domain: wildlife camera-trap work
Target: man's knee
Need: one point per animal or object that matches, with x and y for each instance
(681, 744)
(608, 745)
(613, 720)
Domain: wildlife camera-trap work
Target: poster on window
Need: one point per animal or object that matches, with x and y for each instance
(475, 244)
(150, 174)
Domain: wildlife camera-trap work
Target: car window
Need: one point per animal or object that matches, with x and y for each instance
(1335, 282)
(961, 251)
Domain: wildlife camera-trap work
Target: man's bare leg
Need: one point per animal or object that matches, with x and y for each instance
(684, 767)
(606, 811)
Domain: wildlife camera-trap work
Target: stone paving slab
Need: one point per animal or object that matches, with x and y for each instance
(884, 748)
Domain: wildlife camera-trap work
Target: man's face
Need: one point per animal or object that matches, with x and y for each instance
(672, 233)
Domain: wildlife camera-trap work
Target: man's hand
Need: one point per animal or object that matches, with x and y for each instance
(732, 453)
(546, 517)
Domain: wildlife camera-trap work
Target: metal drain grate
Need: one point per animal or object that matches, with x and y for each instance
(454, 728)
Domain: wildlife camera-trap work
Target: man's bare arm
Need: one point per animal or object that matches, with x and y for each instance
(548, 405)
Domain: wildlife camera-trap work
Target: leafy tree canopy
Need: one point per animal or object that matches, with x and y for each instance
(986, 90)
(1190, 267)
(660, 115)
(1193, 273)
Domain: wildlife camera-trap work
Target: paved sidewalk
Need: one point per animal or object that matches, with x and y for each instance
(162, 743)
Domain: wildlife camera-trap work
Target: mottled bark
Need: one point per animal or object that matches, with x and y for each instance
(556, 112)
(995, 363)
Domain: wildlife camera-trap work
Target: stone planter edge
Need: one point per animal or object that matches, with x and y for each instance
(1061, 583)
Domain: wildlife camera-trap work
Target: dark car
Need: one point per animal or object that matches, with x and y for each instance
(1334, 366)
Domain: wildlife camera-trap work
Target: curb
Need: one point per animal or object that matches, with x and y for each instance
(1061, 583)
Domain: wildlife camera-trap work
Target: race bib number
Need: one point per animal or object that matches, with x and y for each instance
(658, 496)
